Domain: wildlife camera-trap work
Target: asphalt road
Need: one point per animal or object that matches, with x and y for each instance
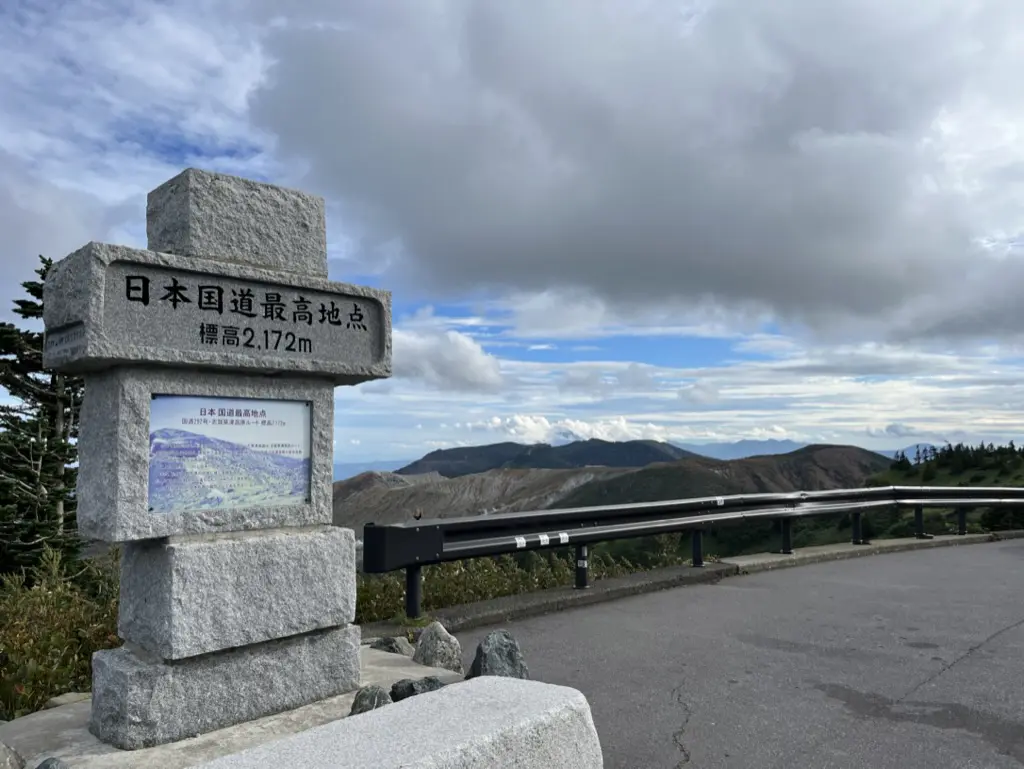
(909, 660)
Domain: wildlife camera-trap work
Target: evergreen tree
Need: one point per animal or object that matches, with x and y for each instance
(37, 486)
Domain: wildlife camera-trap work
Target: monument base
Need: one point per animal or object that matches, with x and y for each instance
(139, 701)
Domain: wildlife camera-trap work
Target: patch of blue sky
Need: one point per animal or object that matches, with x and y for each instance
(1014, 361)
(876, 378)
(167, 142)
(661, 351)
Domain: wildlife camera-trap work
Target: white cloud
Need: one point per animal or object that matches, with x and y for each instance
(539, 429)
(852, 169)
(448, 361)
(699, 393)
(839, 168)
(812, 394)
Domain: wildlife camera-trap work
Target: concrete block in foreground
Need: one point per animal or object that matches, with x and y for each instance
(139, 702)
(486, 723)
(183, 599)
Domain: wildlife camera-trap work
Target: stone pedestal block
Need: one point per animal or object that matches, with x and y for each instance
(211, 215)
(140, 702)
(187, 598)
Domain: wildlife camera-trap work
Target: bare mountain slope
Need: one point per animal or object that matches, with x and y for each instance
(391, 498)
(810, 468)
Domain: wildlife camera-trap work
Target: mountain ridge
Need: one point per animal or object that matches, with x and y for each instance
(465, 460)
(392, 497)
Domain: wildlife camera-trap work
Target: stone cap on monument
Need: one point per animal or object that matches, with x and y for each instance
(230, 219)
(235, 280)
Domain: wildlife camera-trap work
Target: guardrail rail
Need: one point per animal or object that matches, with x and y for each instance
(415, 544)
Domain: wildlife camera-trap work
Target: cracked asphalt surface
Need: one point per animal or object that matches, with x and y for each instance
(909, 660)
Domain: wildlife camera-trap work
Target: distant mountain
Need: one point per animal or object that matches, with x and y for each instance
(465, 460)
(388, 497)
(452, 463)
(809, 468)
(343, 470)
(741, 449)
(192, 471)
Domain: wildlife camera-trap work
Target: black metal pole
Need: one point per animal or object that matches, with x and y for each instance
(582, 574)
(919, 522)
(961, 521)
(787, 536)
(857, 537)
(697, 540)
(413, 591)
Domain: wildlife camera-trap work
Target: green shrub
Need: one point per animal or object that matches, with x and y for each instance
(1002, 519)
(51, 629)
(900, 529)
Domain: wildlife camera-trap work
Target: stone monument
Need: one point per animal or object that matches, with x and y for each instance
(206, 445)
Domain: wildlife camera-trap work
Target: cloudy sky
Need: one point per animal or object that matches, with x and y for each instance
(691, 221)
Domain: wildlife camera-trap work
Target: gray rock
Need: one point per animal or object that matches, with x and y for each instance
(499, 655)
(437, 648)
(394, 645)
(370, 698)
(66, 699)
(53, 763)
(408, 687)
(9, 758)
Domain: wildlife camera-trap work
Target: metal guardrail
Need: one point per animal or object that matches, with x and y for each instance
(415, 544)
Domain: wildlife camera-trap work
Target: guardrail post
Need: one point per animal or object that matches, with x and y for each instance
(858, 536)
(413, 591)
(582, 574)
(919, 523)
(697, 540)
(787, 536)
(961, 521)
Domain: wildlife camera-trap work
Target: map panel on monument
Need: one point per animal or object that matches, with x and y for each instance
(210, 453)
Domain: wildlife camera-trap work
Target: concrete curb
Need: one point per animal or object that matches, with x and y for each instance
(770, 561)
(525, 606)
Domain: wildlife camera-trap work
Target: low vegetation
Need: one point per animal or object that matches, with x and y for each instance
(57, 613)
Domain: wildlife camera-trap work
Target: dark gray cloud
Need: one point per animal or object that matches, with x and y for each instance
(792, 156)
